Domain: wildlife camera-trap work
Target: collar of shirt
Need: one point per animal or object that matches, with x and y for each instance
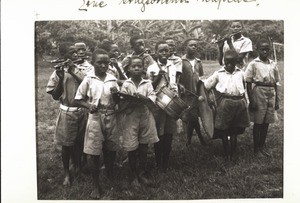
(169, 63)
(184, 58)
(239, 39)
(142, 81)
(258, 60)
(173, 57)
(224, 70)
(109, 77)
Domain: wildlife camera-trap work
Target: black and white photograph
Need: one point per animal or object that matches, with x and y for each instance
(149, 100)
(159, 109)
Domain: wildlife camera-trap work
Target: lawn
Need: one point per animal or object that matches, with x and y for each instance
(196, 172)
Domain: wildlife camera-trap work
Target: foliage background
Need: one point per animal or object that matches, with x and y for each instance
(50, 33)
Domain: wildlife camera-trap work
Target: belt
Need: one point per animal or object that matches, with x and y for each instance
(264, 84)
(66, 108)
(233, 97)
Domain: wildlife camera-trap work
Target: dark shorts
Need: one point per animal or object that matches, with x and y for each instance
(231, 114)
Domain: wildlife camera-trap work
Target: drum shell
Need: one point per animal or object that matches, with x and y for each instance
(171, 103)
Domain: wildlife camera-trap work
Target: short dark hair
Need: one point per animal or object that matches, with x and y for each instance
(159, 43)
(188, 40)
(134, 38)
(106, 45)
(135, 57)
(237, 21)
(97, 52)
(261, 41)
(231, 52)
(64, 48)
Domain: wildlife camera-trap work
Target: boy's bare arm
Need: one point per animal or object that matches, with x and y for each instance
(85, 104)
(252, 104)
(58, 90)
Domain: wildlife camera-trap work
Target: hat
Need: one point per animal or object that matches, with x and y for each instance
(80, 45)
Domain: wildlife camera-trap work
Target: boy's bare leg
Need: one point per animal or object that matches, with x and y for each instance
(167, 147)
(189, 131)
(256, 137)
(95, 175)
(66, 150)
(225, 145)
(198, 131)
(263, 136)
(233, 142)
(158, 152)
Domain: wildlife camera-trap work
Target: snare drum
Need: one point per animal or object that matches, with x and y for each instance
(168, 101)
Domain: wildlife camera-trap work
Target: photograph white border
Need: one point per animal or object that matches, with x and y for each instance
(18, 127)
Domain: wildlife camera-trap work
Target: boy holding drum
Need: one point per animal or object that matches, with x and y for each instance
(192, 70)
(163, 73)
(137, 122)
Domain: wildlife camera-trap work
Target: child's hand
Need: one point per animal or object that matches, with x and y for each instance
(140, 96)
(93, 108)
(113, 89)
(161, 73)
(276, 105)
(60, 73)
(70, 66)
(181, 89)
(252, 106)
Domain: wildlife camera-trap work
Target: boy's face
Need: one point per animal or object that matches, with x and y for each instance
(71, 54)
(139, 46)
(114, 51)
(81, 52)
(236, 27)
(230, 61)
(191, 47)
(264, 50)
(171, 45)
(100, 63)
(136, 67)
(163, 52)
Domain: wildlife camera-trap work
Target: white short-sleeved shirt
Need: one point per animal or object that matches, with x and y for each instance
(144, 88)
(258, 71)
(226, 82)
(86, 68)
(169, 68)
(177, 62)
(241, 45)
(97, 91)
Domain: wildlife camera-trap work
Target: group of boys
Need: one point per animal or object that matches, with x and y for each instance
(92, 115)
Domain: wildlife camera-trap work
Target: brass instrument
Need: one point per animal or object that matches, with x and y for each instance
(224, 38)
(63, 62)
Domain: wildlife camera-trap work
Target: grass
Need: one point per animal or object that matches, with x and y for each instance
(195, 173)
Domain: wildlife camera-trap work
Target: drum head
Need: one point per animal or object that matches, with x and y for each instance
(206, 110)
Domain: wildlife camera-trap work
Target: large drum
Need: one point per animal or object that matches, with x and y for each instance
(168, 101)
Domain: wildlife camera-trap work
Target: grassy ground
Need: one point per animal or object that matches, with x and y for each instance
(195, 173)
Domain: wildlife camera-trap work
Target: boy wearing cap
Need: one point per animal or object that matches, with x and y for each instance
(84, 66)
(62, 85)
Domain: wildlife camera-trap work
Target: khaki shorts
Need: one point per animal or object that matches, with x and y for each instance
(70, 126)
(100, 128)
(137, 127)
(264, 97)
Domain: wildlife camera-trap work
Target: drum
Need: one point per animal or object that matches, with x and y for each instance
(168, 101)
